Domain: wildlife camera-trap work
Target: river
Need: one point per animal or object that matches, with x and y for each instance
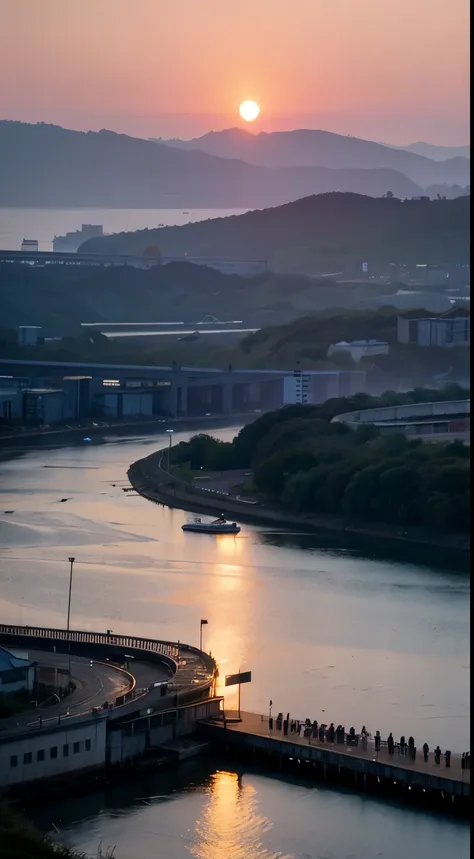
(324, 630)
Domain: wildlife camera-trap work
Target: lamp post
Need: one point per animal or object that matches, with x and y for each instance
(71, 561)
(170, 434)
(201, 624)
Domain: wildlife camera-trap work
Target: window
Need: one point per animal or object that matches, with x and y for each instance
(40, 755)
(65, 750)
(27, 758)
(76, 748)
(53, 752)
(14, 761)
(88, 745)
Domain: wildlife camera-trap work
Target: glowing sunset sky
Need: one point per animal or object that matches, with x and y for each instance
(393, 70)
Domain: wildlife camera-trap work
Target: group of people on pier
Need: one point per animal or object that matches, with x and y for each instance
(331, 734)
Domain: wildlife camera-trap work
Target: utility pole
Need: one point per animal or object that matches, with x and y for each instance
(71, 561)
(202, 623)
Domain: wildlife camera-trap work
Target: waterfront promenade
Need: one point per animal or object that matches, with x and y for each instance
(254, 723)
(399, 776)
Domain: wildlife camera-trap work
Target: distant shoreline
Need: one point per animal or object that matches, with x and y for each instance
(16, 445)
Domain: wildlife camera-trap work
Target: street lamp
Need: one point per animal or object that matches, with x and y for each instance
(170, 433)
(201, 624)
(71, 561)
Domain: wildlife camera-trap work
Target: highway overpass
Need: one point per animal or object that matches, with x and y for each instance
(436, 421)
(126, 390)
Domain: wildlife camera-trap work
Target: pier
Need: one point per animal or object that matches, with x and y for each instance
(397, 775)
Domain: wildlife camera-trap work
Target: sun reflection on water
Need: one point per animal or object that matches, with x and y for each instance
(231, 826)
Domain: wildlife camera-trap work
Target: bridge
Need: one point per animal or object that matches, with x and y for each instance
(42, 258)
(244, 268)
(172, 390)
(166, 687)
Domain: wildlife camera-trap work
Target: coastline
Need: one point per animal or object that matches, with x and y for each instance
(150, 480)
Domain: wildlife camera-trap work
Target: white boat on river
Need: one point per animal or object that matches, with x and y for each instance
(217, 526)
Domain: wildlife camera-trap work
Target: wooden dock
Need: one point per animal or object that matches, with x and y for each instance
(362, 769)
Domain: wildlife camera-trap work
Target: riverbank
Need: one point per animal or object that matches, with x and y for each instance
(17, 443)
(149, 478)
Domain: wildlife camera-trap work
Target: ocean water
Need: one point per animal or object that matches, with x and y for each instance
(17, 224)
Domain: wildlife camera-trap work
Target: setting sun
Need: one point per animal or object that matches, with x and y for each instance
(249, 110)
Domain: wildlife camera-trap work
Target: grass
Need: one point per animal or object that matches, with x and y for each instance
(20, 840)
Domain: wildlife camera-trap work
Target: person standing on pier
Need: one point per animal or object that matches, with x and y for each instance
(390, 744)
(403, 745)
(426, 750)
(411, 746)
(437, 755)
(363, 734)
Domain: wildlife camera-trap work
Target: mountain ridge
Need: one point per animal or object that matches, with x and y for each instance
(61, 167)
(316, 233)
(319, 148)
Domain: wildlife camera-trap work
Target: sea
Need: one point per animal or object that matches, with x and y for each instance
(43, 225)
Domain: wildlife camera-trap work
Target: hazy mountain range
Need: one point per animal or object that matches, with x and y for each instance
(309, 148)
(320, 233)
(437, 153)
(46, 165)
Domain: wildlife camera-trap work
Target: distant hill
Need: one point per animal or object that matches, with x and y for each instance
(45, 165)
(319, 233)
(449, 191)
(437, 153)
(314, 148)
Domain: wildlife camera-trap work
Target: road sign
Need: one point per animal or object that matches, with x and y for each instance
(238, 679)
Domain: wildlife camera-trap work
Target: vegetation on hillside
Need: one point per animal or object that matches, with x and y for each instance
(319, 233)
(299, 345)
(61, 298)
(304, 463)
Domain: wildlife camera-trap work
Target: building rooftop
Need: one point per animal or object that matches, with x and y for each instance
(9, 660)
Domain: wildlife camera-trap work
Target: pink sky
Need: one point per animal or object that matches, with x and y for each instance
(391, 70)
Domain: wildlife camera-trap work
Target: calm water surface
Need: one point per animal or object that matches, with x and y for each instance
(325, 631)
(17, 224)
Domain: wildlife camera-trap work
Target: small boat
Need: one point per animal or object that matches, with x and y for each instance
(218, 526)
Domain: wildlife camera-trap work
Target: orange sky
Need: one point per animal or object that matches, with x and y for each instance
(393, 70)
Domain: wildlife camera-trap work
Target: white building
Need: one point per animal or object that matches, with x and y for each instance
(16, 673)
(359, 349)
(310, 387)
(76, 745)
(30, 245)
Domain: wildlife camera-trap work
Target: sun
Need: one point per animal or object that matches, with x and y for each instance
(249, 110)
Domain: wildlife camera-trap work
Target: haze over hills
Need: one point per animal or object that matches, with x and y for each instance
(317, 233)
(59, 167)
(59, 298)
(314, 148)
(437, 153)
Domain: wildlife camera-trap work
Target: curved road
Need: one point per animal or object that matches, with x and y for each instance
(95, 683)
